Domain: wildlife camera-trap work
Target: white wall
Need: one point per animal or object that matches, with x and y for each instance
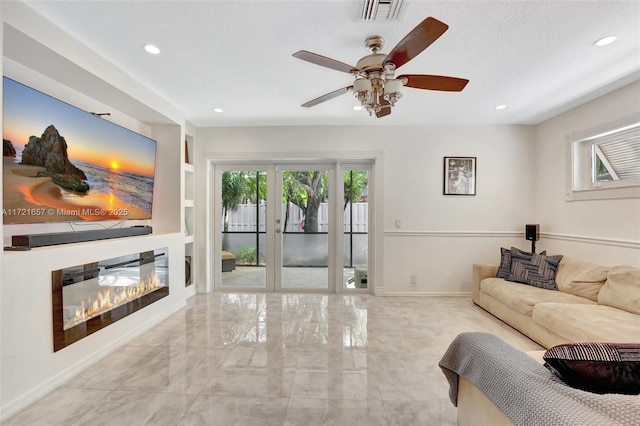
(440, 236)
(603, 231)
(29, 368)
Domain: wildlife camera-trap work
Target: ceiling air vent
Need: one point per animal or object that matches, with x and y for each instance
(381, 10)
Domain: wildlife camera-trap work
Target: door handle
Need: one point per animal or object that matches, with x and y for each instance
(278, 230)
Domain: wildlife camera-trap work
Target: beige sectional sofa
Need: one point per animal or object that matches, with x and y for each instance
(594, 303)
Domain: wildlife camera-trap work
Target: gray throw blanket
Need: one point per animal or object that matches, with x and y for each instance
(525, 391)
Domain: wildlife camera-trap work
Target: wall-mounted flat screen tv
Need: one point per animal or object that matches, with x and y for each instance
(63, 164)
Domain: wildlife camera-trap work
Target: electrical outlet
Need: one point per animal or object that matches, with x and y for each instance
(412, 280)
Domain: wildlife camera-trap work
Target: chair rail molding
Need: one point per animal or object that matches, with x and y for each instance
(592, 240)
(497, 234)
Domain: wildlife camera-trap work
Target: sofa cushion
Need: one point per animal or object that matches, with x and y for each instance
(534, 269)
(622, 289)
(588, 322)
(523, 298)
(597, 367)
(581, 278)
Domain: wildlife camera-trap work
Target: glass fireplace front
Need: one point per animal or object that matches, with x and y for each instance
(89, 297)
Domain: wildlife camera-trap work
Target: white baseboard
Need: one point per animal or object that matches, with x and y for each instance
(378, 291)
(12, 407)
(190, 291)
(426, 294)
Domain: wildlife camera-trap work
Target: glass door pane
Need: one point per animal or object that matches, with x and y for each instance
(243, 229)
(304, 228)
(356, 225)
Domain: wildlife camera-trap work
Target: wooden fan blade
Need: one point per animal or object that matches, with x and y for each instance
(434, 82)
(386, 108)
(323, 61)
(326, 97)
(416, 41)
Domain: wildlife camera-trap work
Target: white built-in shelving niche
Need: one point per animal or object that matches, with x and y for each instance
(189, 180)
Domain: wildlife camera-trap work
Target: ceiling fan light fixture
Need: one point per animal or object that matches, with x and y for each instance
(393, 91)
(362, 90)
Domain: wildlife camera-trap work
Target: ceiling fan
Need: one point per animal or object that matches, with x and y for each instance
(375, 85)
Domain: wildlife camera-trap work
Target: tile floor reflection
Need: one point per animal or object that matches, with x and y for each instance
(278, 359)
(252, 277)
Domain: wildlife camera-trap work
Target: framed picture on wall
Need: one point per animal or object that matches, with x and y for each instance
(459, 176)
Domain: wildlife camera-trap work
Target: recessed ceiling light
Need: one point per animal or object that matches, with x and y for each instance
(357, 108)
(151, 49)
(605, 41)
(218, 110)
(498, 107)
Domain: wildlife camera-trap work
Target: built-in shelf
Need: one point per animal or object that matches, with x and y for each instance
(189, 182)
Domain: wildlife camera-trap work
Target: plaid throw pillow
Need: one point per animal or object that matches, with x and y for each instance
(597, 367)
(504, 269)
(533, 269)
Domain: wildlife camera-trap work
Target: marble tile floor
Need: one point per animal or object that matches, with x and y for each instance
(278, 359)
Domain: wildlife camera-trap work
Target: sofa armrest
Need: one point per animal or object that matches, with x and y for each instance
(480, 272)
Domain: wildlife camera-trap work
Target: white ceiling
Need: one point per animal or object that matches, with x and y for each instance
(536, 57)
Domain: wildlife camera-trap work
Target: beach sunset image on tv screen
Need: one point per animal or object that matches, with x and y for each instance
(63, 164)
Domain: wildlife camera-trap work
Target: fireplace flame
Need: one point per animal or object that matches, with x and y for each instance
(111, 298)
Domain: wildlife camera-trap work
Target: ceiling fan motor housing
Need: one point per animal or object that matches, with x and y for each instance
(372, 68)
(371, 62)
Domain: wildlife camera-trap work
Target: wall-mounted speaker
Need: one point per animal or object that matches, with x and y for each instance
(187, 271)
(532, 232)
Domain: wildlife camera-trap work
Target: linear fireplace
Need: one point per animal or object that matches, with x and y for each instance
(89, 297)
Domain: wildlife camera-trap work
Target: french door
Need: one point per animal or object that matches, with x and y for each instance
(276, 222)
(290, 227)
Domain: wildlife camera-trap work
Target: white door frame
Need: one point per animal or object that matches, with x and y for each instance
(373, 161)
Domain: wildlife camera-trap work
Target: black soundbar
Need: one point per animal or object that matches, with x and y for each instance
(55, 238)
